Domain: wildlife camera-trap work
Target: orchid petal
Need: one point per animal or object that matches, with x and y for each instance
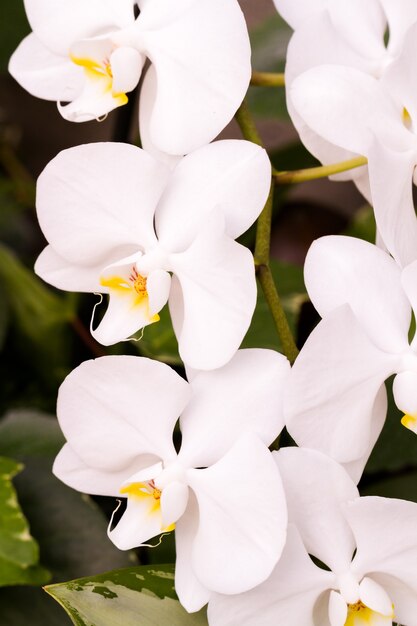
(340, 372)
(95, 198)
(399, 78)
(140, 522)
(126, 64)
(375, 597)
(295, 12)
(58, 24)
(217, 279)
(315, 487)
(111, 410)
(69, 468)
(44, 74)
(409, 284)
(400, 17)
(174, 499)
(191, 593)
(344, 270)
(337, 609)
(385, 535)
(243, 518)
(379, 411)
(348, 107)
(393, 202)
(178, 50)
(158, 287)
(404, 389)
(232, 176)
(289, 596)
(58, 272)
(403, 598)
(244, 395)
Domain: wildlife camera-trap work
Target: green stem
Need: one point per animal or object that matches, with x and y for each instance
(313, 173)
(267, 79)
(281, 323)
(247, 125)
(263, 244)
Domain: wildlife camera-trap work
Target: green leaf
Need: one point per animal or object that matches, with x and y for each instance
(70, 528)
(140, 596)
(14, 27)
(290, 284)
(39, 317)
(269, 47)
(19, 552)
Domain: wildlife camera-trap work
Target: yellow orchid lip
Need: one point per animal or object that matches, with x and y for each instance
(360, 615)
(102, 71)
(135, 287)
(145, 491)
(410, 422)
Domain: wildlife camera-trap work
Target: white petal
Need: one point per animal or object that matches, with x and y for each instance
(409, 284)
(178, 50)
(243, 518)
(111, 410)
(232, 176)
(403, 598)
(296, 12)
(344, 270)
(95, 198)
(218, 285)
(191, 593)
(174, 501)
(379, 412)
(58, 272)
(125, 315)
(289, 596)
(126, 64)
(244, 395)
(400, 17)
(337, 609)
(348, 107)
(375, 597)
(392, 198)
(58, 24)
(315, 487)
(69, 468)
(340, 372)
(385, 535)
(140, 522)
(44, 74)
(158, 287)
(405, 392)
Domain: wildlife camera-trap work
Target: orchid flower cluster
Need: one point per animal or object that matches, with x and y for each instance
(262, 537)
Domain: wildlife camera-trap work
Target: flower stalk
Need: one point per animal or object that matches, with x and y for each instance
(314, 173)
(267, 79)
(262, 247)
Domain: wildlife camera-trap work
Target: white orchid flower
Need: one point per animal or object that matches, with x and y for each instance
(375, 118)
(366, 302)
(120, 222)
(222, 490)
(369, 546)
(91, 53)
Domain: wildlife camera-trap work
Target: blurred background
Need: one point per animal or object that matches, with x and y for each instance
(44, 333)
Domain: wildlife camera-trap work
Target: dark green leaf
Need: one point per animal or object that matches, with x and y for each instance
(140, 596)
(70, 528)
(19, 552)
(14, 26)
(363, 225)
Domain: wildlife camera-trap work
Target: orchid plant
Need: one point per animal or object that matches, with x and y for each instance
(267, 529)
